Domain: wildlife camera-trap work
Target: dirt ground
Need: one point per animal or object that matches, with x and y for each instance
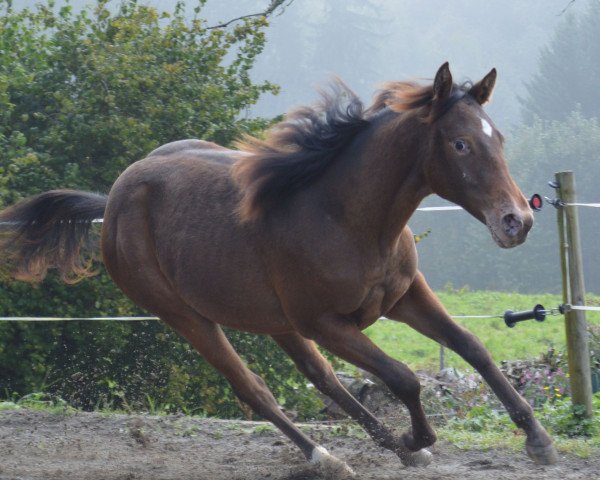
(38, 445)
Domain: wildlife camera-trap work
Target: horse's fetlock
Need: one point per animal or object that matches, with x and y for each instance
(427, 440)
(523, 417)
(388, 441)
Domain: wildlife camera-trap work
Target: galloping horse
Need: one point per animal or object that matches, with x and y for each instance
(302, 236)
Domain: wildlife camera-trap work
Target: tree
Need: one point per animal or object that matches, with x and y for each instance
(86, 94)
(568, 72)
(82, 96)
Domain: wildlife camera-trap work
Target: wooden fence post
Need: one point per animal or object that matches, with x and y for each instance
(574, 294)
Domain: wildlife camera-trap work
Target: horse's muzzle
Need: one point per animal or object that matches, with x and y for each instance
(510, 229)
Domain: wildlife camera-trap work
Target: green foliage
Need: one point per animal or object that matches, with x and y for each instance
(485, 428)
(87, 93)
(482, 418)
(39, 401)
(540, 150)
(264, 429)
(83, 95)
(138, 366)
(541, 382)
(568, 71)
(564, 418)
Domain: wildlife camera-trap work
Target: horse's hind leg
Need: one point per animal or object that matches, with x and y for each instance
(421, 309)
(210, 341)
(318, 370)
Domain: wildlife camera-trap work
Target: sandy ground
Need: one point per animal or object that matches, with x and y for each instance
(36, 445)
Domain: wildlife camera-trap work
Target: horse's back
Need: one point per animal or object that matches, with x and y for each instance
(186, 145)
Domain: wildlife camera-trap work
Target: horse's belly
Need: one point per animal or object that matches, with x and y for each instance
(224, 280)
(231, 301)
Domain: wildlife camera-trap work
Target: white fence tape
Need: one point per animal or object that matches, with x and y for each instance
(69, 319)
(592, 205)
(439, 209)
(583, 307)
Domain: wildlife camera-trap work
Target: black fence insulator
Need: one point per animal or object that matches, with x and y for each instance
(512, 318)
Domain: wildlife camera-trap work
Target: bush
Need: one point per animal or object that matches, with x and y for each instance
(138, 366)
(565, 419)
(82, 96)
(540, 381)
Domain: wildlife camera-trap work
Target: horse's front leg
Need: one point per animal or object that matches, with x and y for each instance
(421, 309)
(343, 338)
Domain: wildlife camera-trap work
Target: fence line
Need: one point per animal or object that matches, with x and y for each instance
(456, 207)
(70, 319)
(445, 208)
(559, 310)
(592, 205)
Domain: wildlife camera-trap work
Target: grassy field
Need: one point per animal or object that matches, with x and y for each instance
(526, 340)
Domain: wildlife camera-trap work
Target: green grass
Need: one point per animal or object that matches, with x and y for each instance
(512, 439)
(483, 428)
(526, 340)
(39, 401)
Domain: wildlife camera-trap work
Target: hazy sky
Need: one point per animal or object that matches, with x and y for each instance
(367, 42)
(400, 39)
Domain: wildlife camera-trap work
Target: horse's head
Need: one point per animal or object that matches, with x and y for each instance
(466, 164)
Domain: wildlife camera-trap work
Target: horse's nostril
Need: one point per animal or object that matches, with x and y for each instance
(512, 224)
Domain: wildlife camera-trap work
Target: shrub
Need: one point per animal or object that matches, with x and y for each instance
(83, 95)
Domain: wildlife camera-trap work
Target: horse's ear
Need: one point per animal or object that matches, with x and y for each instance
(442, 85)
(482, 91)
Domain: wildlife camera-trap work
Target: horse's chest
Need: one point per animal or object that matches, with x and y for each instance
(357, 281)
(386, 285)
(383, 295)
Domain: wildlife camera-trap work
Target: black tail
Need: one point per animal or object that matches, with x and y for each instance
(49, 230)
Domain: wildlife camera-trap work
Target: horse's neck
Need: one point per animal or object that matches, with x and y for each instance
(380, 182)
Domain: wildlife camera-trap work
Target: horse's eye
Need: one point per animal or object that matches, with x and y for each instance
(460, 146)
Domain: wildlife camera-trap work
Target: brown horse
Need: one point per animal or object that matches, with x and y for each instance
(303, 237)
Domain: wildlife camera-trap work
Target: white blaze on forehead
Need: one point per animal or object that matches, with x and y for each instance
(486, 127)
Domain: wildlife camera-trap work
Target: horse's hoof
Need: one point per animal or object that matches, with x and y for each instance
(420, 458)
(328, 467)
(542, 455)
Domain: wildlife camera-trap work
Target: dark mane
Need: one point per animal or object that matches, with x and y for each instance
(299, 149)
(402, 96)
(405, 96)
